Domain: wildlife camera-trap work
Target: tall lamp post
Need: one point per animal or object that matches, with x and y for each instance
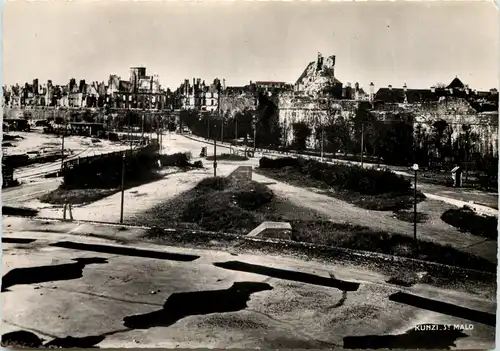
(362, 142)
(322, 137)
(122, 188)
(215, 134)
(62, 141)
(415, 169)
(255, 117)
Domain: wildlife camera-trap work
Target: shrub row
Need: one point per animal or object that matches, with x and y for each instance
(105, 172)
(228, 157)
(467, 220)
(180, 159)
(344, 177)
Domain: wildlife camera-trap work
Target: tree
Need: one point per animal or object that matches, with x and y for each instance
(421, 145)
(396, 139)
(268, 130)
(301, 132)
(336, 135)
(441, 140)
(440, 85)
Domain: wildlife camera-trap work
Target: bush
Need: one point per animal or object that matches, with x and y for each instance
(254, 196)
(467, 220)
(281, 162)
(345, 177)
(180, 159)
(229, 157)
(197, 164)
(104, 171)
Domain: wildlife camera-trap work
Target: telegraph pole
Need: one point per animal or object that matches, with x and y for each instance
(222, 130)
(62, 141)
(236, 128)
(208, 130)
(322, 137)
(215, 135)
(255, 125)
(362, 142)
(129, 132)
(215, 157)
(415, 169)
(122, 188)
(142, 127)
(466, 154)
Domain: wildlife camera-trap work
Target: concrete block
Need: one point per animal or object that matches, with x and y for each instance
(276, 230)
(241, 174)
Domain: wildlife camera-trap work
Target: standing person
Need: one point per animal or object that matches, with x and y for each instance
(456, 175)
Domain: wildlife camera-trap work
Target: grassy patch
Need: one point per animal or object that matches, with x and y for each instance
(363, 238)
(467, 220)
(76, 196)
(217, 204)
(228, 157)
(409, 216)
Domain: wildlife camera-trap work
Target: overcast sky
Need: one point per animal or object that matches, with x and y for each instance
(385, 42)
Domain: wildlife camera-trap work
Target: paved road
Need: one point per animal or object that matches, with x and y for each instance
(28, 191)
(173, 143)
(33, 183)
(63, 284)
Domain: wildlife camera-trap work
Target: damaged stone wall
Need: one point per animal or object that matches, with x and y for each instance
(456, 113)
(294, 108)
(231, 104)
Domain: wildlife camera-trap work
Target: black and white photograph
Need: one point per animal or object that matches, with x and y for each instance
(250, 174)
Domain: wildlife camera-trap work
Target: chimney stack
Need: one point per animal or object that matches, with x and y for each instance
(405, 87)
(390, 87)
(433, 89)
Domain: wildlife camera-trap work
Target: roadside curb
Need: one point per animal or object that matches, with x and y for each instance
(330, 252)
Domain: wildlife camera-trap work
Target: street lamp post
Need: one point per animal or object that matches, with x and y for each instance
(215, 157)
(62, 142)
(236, 128)
(362, 142)
(415, 169)
(122, 188)
(142, 127)
(322, 138)
(215, 134)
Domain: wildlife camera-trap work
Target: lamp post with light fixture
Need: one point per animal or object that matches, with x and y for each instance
(122, 188)
(415, 169)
